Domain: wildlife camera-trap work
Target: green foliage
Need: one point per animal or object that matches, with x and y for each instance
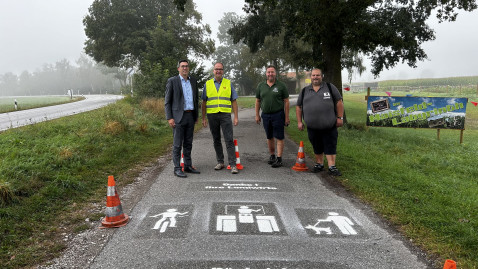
(53, 165)
(150, 36)
(388, 32)
(429, 192)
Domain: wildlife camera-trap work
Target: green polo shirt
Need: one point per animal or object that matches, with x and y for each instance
(272, 98)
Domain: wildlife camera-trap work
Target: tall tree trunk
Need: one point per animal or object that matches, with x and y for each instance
(333, 68)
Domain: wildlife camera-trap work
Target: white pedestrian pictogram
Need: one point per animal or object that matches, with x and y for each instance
(343, 223)
(168, 219)
(247, 215)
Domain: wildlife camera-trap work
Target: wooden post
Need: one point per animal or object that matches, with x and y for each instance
(438, 134)
(461, 136)
(368, 93)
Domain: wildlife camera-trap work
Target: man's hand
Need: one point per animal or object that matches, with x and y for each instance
(236, 121)
(258, 119)
(339, 123)
(300, 125)
(287, 121)
(172, 123)
(204, 122)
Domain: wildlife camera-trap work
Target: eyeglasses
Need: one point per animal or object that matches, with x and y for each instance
(184, 66)
(218, 69)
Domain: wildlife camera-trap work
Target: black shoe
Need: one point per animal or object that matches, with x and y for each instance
(317, 168)
(277, 163)
(334, 171)
(191, 170)
(179, 173)
(272, 159)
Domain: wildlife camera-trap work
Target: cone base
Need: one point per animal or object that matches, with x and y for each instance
(115, 224)
(300, 169)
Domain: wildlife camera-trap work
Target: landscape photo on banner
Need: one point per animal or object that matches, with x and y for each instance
(416, 112)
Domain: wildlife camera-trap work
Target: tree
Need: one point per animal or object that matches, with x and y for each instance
(147, 36)
(175, 37)
(239, 63)
(387, 31)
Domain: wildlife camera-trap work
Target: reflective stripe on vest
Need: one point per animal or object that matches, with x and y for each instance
(218, 101)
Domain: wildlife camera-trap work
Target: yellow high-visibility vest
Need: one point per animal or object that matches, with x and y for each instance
(218, 101)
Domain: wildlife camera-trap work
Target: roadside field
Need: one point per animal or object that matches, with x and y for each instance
(425, 187)
(7, 104)
(52, 174)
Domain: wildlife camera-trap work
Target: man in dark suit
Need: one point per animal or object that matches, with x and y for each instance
(181, 104)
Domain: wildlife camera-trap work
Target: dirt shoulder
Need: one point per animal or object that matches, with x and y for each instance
(82, 248)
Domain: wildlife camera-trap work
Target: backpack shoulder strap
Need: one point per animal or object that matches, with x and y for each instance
(333, 99)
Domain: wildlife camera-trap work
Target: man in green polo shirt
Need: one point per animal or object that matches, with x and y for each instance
(272, 97)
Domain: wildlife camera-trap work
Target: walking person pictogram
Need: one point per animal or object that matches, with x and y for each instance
(168, 219)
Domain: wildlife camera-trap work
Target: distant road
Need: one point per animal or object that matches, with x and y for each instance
(32, 116)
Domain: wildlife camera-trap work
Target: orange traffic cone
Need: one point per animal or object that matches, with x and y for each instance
(114, 212)
(182, 162)
(238, 160)
(300, 163)
(449, 264)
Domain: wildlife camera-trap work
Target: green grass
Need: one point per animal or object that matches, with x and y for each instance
(50, 172)
(428, 188)
(246, 102)
(7, 104)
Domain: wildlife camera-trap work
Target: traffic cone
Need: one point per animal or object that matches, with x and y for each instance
(182, 162)
(300, 163)
(238, 160)
(114, 212)
(449, 264)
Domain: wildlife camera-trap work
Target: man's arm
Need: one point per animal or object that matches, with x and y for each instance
(286, 106)
(298, 115)
(203, 109)
(203, 106)
(236, 114)
(340, 113)
(168, 101)
(258, 106)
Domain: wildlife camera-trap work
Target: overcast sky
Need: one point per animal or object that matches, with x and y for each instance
(34, 32)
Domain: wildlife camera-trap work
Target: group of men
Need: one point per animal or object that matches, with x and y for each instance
(319, 105)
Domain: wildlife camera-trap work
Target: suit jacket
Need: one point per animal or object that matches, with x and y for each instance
(174, 99)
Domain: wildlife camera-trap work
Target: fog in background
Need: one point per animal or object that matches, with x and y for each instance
(37, 35)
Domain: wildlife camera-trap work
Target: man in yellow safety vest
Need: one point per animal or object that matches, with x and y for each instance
(219, 100)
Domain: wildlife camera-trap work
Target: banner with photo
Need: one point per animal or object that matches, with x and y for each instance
(416, 112)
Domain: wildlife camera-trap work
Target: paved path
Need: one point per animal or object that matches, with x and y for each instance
(260, 218)
(31, 116)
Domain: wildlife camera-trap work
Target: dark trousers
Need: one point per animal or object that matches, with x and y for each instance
(183, 138)
(218, 121)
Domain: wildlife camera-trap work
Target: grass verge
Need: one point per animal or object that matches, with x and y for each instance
(50, 171)
(426, 187)
(7, 104)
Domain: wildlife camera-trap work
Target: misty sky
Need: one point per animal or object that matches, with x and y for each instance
(34, 32)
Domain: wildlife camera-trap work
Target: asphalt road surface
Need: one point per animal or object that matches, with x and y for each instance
(31, 116)
(261, 218)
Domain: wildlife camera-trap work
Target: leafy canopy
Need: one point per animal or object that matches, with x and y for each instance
(147, 36)
(387, 31)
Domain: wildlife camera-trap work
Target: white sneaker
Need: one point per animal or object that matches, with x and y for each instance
(219, 166)
(234, 170)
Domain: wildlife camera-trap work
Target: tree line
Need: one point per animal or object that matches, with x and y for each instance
(144, 39)
(87, 77)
